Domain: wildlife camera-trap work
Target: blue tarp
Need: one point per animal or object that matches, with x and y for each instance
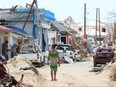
(17, 29)
(23, 10)
(47, 15)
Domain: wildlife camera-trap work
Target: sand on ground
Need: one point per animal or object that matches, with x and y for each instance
(76, 74)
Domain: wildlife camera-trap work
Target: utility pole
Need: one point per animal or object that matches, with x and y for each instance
(99, 27)
(96, 26)
(114, 33)
(28, 14)
(84, 18)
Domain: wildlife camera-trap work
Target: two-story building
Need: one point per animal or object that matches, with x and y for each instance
(91, 29)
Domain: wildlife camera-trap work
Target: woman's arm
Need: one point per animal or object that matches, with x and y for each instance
(48, 58)
(58, 59)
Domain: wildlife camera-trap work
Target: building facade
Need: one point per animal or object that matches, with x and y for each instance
(36, 25)
(91, 29)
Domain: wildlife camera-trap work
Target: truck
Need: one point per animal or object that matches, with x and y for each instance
(33, 53)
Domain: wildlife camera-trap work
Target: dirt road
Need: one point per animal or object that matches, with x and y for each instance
(76, 74)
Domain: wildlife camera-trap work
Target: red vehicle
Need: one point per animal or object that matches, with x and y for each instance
(102, 56)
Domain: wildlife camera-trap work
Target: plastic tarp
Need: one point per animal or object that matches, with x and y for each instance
(3, 28)
(43, 38)
(16, 29)
(47, 15)
(35, 32)
(45, 32)
(23, 10)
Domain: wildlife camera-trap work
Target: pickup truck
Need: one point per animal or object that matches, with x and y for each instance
(34, 54)
(68, 51)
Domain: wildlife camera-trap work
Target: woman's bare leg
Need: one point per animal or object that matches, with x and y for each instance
(55, 76)
(52, 75)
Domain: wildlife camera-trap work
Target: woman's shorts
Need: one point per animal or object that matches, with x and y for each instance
(53, 67)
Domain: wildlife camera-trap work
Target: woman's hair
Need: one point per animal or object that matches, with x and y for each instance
(53, 46)
(6, 42)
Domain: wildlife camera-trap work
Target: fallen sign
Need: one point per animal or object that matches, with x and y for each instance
(69, 60)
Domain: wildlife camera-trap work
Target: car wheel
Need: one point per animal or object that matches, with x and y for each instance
(95, 64)
(74, 58)
(43, 62)
(39, 65)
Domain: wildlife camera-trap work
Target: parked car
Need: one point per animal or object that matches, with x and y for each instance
(33, 53)
(114, 52)
(103, 55)
(67, 50)
(95, 49)
(114, 48)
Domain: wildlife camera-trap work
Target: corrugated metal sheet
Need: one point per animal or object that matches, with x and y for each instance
(62, 27)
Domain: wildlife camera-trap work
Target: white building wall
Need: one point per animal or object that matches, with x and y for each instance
(14, 38)
(51, 34)
(89, 26)
(28, 28)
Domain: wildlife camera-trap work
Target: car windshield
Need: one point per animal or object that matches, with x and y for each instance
(104, 50)
(30, 49)
(64, 47)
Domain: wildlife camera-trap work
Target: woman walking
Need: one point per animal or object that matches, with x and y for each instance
(54, 60)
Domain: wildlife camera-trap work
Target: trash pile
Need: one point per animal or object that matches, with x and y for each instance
(110, 71)
(18, 66)
(113, 72)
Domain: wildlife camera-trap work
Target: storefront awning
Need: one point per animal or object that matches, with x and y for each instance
(17, 29)
(3, 28)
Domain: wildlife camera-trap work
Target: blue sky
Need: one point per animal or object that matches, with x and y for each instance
(65, 8)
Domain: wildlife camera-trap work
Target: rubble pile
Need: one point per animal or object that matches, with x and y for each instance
(18, 66)
(113, 72)
(110, 71)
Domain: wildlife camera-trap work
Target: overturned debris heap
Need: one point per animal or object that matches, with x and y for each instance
(18, 66)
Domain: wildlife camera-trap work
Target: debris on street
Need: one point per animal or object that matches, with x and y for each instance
(19, 65)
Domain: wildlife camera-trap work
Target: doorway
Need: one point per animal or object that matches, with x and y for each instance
(63, 40)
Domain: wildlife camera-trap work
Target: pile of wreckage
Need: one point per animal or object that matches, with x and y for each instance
(19, 72)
